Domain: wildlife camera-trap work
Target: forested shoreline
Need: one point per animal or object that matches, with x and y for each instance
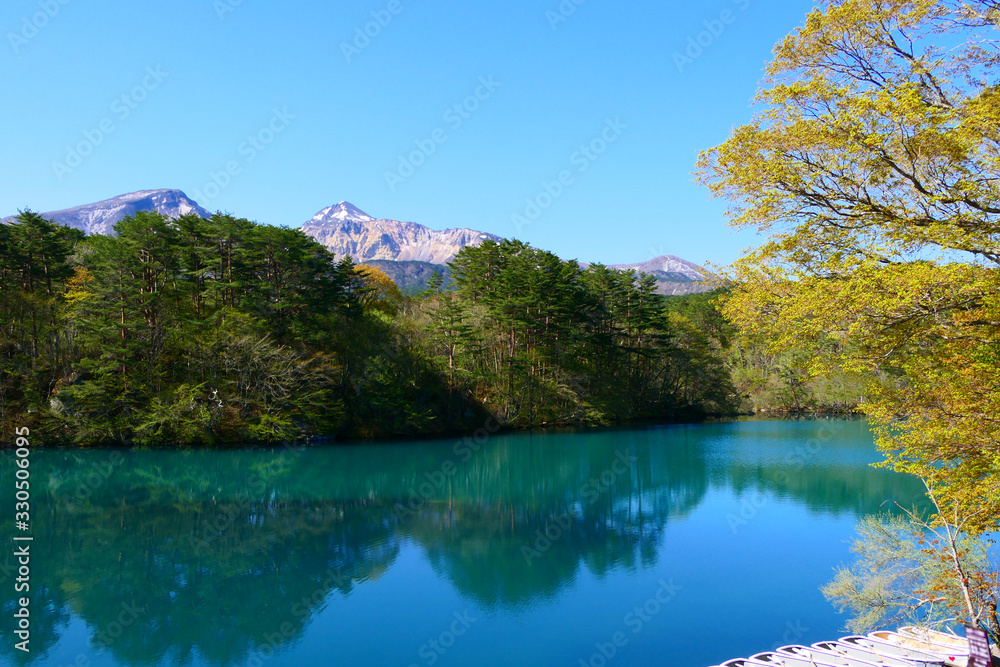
(204, 332)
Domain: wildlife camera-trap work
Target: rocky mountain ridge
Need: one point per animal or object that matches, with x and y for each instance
(675, 276)
(101, 217)
(346, 230)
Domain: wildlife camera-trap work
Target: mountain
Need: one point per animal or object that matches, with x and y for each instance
(675, 276)
(412, 277)
(347, 230)
(670, 267)
(407, 251)
(101, 217)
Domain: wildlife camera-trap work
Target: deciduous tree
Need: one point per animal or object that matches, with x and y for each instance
(874, 164)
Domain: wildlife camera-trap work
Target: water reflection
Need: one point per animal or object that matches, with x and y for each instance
(172, 556)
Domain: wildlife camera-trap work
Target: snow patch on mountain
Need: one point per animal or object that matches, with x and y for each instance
(101, 217)
(346, 230)
(343, 212)
(667, 264)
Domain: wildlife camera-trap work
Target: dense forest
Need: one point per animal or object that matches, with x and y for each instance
(206, 331)
(768, 379)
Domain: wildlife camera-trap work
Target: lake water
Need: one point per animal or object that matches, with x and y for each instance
(675, 545)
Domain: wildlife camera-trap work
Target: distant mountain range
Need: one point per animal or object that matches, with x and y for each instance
(347, 230)
(408, 252)
(100, 217)
(412, 277)
(675, 276)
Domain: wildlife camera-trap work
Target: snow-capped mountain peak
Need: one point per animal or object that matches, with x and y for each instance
(348, 231)
(343, 212)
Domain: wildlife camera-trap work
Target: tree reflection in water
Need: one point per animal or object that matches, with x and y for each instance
(211, 552)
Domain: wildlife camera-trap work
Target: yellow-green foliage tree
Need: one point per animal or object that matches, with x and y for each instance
(381, 292)
(873, 164)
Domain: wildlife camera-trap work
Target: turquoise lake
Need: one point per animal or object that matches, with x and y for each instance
(679, 545)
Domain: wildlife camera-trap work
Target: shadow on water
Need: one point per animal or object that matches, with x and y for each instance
(172, 556)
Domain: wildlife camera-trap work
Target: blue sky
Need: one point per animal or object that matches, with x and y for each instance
(451, 114)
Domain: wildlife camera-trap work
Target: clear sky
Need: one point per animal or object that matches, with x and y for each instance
(272, 111)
